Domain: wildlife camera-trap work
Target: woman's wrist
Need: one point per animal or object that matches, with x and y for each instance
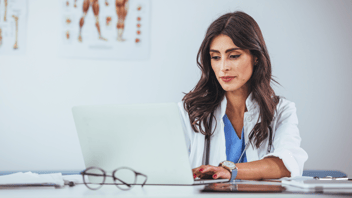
(231, 168)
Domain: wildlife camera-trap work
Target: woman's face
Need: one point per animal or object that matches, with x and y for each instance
(232, 66)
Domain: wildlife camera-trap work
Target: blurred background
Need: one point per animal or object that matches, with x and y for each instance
(309, 42)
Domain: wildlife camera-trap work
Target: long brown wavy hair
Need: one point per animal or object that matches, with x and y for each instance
(206, 96)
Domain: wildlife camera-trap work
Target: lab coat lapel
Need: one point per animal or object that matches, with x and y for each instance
(217, 140)
(252, 114)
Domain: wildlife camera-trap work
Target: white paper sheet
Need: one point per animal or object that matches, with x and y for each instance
(29, 178)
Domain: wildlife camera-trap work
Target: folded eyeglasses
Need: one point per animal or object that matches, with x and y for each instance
(124, 178)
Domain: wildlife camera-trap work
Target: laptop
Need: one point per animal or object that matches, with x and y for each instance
(148, 138)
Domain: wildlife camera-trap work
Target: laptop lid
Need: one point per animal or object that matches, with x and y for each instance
(145, 137)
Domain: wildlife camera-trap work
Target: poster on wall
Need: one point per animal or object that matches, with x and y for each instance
(13, 21)
(105, 29)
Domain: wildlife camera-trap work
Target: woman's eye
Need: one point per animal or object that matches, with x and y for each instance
(235, 56)
(215, 57)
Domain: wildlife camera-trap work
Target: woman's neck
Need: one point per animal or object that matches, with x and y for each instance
(236, 101)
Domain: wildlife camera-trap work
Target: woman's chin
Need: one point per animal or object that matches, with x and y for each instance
(230, 88)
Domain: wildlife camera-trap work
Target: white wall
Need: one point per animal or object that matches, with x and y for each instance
(308, 40)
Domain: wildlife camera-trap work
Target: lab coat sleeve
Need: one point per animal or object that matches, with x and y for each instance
(185, 126)
(286, 142)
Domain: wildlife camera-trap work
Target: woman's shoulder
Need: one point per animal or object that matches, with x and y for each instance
(285, 110)
(181, 108)
(184, 115)
(285, 104)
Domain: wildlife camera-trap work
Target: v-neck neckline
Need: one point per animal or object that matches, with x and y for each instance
(228, 120)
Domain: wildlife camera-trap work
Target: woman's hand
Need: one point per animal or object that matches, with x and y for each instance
(211, 172)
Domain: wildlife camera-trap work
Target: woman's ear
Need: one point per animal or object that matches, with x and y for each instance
(255, 60)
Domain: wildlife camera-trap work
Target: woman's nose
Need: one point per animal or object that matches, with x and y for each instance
(225, 65)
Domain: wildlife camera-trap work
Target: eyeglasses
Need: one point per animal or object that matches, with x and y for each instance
(124, 178)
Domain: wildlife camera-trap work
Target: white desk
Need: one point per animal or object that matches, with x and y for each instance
(137, 191)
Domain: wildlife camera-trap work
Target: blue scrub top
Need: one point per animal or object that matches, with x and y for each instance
(234, 145)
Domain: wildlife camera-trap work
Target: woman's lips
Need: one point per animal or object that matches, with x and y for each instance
(227, 78)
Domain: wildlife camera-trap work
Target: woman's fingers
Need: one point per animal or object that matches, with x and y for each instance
(203, 172)
(222, 174)
(196, 172)
(208, 169)
(208, 172)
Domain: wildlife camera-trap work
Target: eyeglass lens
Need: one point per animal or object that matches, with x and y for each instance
(96, 178)
(124, 175)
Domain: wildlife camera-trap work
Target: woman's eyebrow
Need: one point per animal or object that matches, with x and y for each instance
(232, 49)
(228, 50)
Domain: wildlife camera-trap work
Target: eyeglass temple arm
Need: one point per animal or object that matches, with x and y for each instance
(93, 174)
(146, 177)
(120, 180)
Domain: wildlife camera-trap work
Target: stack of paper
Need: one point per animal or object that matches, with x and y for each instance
(319, 183)
(29, 178)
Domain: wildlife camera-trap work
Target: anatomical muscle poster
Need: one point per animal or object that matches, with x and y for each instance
(105, 29)
(13, 22)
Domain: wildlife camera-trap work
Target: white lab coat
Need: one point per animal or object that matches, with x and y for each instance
(286, 138)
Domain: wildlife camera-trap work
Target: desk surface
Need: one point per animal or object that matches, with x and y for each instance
(137, 191)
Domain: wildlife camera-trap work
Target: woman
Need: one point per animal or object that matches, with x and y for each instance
(235, 109)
